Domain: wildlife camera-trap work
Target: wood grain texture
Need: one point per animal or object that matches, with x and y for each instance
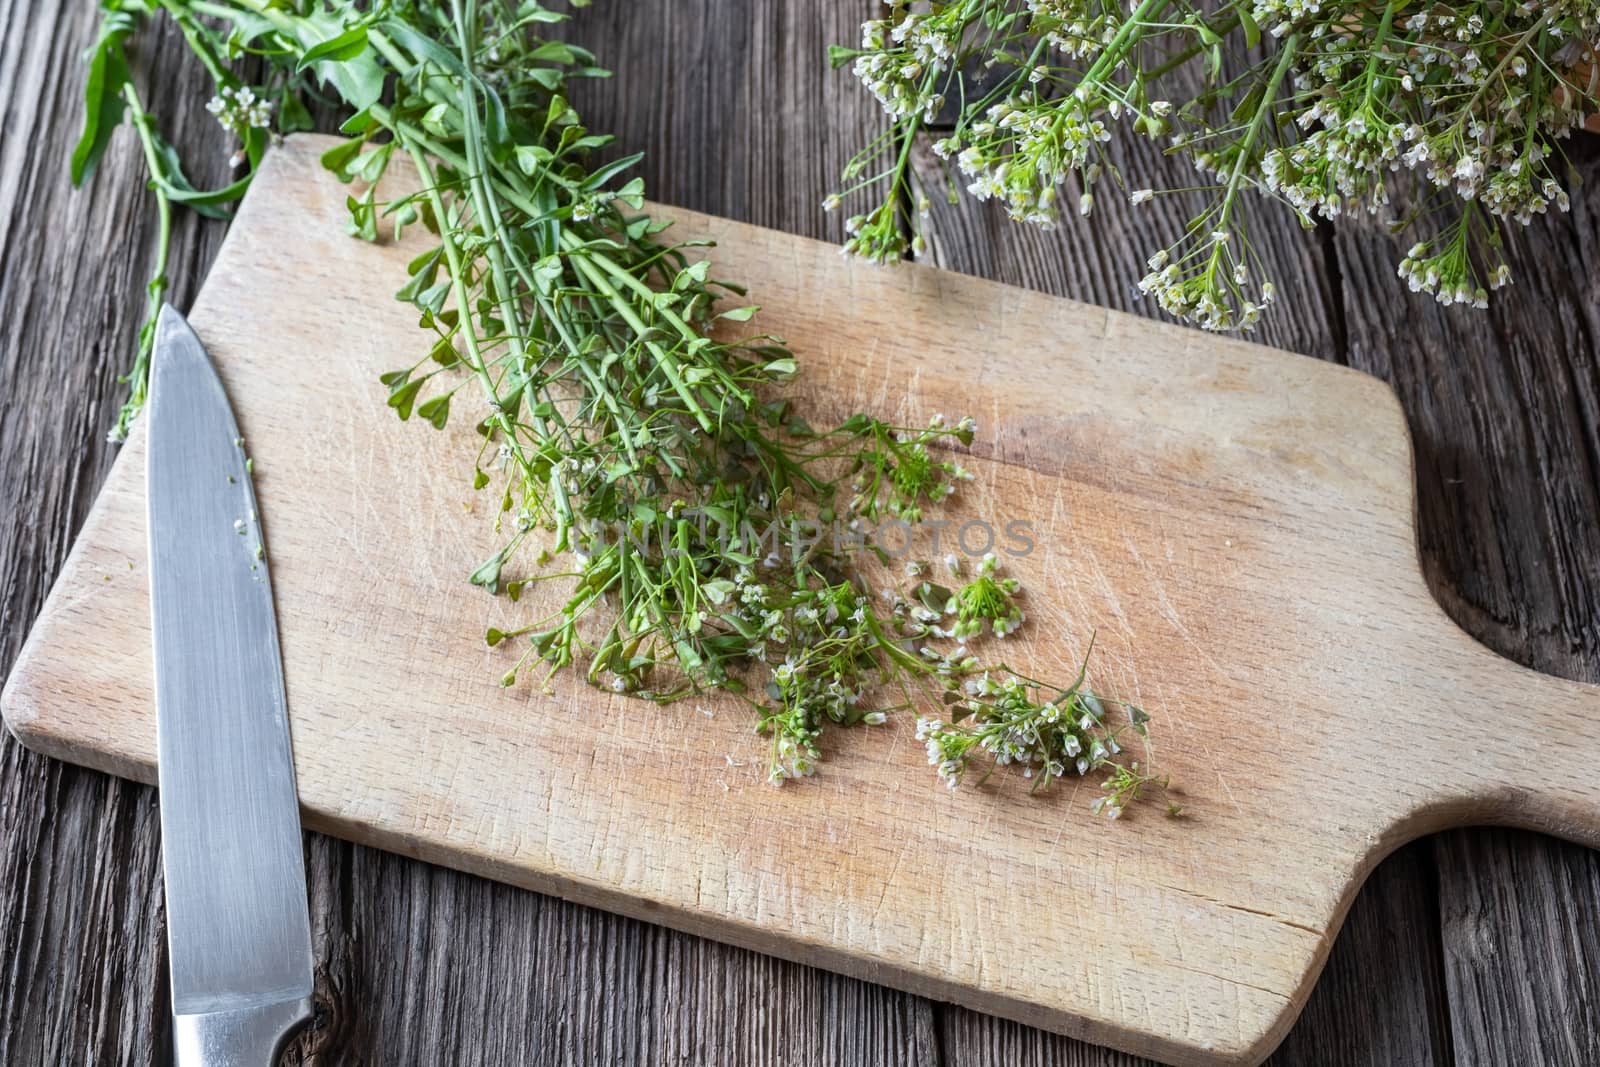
(84, 966)
(1205, 504)
(79, 848)
(1506, 418)
(1504, 421)
(83, 950)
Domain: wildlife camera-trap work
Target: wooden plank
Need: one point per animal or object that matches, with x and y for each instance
(1506, 423)
(543, 978)
(58, 842)
(1519, 924)
(80, 891)
(1382, 999)
(1505, 409)
(1394, 922)
(1214, 504)
(81, 866)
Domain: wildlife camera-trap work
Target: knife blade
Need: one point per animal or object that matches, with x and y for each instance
(238, 926)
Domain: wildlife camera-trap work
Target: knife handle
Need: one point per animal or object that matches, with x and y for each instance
(241, 1037)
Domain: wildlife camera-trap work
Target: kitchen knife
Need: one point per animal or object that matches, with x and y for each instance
(238, 929)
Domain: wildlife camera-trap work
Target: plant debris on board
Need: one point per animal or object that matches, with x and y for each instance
(635, 429)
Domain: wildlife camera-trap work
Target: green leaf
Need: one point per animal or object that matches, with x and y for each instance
(839, 55)
(356, 76)
(718, 590)
(369, 166)
(431, 299)
(403, 397)
(743, 314)
(488, 575)
(496, 131)
(554, 52)
(169, 178)
(436, 410)
(609, 171)
(361, 122)
(546, 273)
(547, 78)
(1252, 30)
(692, 275)
(293, 115)
(363, 216)
(340, 156)
(531, 157)
(1091, 704)
(422, 48)
(103, 105)
(341, 49)
(444, 353)
(201, 199)
(632, 193)
(531, 12)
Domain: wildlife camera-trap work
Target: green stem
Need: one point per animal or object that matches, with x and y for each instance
(579, 254)
(1384, 27)
(1286, 58)
(1111, 57)
(138, 376)
(463, 298)
(1178, 59)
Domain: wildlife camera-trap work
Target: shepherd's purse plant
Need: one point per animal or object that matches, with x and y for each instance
(634, 429)
(1456, 111)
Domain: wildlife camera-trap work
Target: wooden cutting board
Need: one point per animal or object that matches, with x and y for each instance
(1235, 522)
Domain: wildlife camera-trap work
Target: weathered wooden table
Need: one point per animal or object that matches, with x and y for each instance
(1474, 947)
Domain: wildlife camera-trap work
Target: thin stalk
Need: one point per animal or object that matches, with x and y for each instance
(1268, 95)
(138, 376)
(463, 297)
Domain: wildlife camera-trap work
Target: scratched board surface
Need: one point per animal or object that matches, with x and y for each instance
(1233, 523)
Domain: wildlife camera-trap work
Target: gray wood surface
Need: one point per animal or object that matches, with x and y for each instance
(1477, 947)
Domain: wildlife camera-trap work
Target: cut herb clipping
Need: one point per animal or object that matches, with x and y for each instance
(633, 426)
(1326, 107)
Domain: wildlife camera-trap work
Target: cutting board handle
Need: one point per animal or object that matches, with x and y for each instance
(1525, 750)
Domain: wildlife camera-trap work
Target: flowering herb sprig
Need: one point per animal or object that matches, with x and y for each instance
(634, 433)
(1005, 720)
(1326, 107)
